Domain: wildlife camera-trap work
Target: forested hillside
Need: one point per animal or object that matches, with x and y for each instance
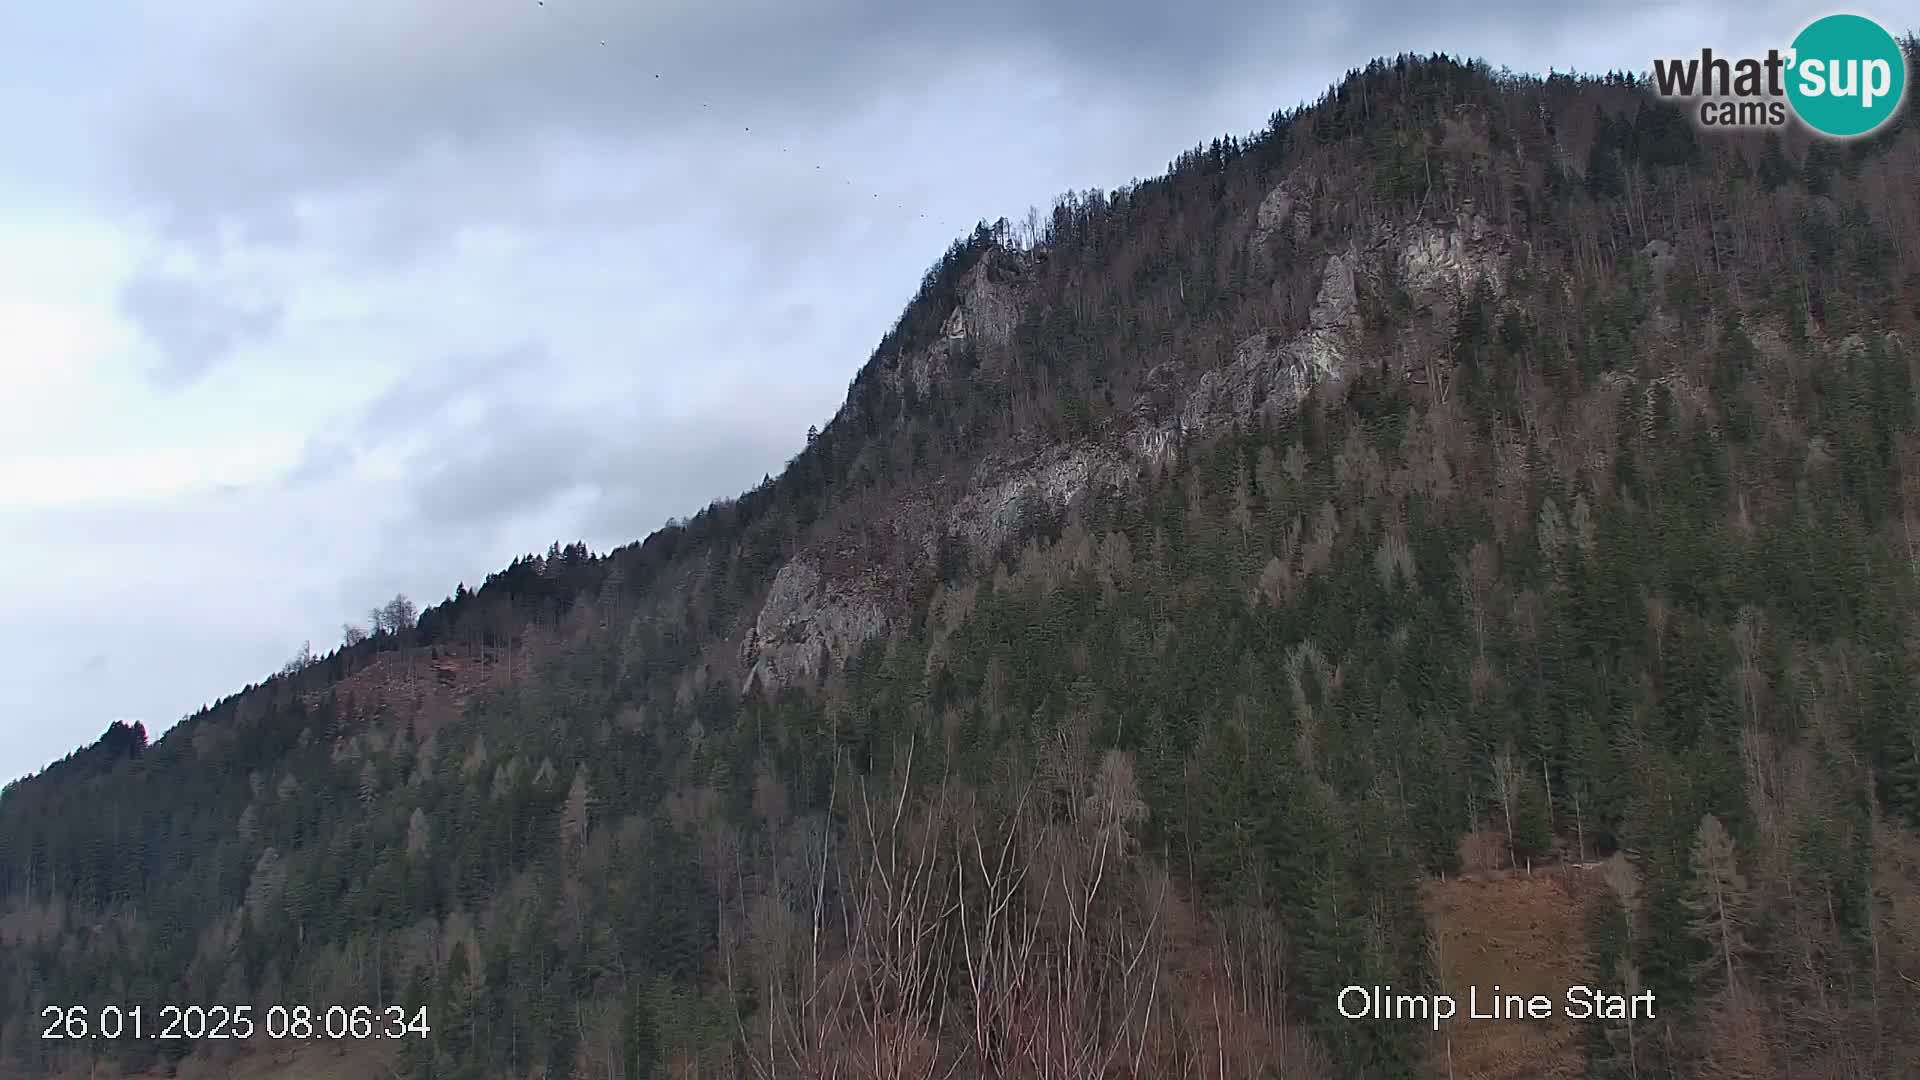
(1468, 471)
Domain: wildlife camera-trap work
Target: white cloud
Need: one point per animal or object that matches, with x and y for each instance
(48, 356)
(56, 329)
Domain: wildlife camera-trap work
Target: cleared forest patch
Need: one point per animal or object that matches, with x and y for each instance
(1525, 933)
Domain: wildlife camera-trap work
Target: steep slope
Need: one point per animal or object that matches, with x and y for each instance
(1461, 458)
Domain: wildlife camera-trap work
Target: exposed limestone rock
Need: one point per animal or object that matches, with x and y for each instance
(984, 318)
(989, 305)
(1438, 265)
(991, 513)
(1271, 374)
(1268, 376)
(1154, 438)
(815, 614)
(1275, 210)
(922, 368)
(1286, 206)
(807, 619)
(1336, 308)
(1157, 446)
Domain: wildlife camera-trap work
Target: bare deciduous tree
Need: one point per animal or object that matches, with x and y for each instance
(1507, 778)
(1720, 895)
(301, 661)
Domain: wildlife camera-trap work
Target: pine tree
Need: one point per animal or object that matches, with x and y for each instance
(1605, 176)
(1532, 832)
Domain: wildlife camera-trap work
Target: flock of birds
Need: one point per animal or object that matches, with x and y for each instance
(558, 10)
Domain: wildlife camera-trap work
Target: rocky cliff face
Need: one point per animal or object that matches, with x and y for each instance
(809, 620)
(809, 615)
(1272, 371)
(980, 325)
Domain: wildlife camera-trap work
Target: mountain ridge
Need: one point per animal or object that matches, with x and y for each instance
(1384, 442)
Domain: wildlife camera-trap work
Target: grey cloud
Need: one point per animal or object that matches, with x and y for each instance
(418, 401)
(639, 496)
(634, 465)
(488, 442)
(345, 95)
(193, 325)
(526, 476)
(429, 390)
(510, 463)
(325, 457)
(425, 117)
(363, 79)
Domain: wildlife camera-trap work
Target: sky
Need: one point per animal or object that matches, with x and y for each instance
(303, 305)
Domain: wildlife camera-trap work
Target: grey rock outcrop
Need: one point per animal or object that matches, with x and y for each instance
(807, 620)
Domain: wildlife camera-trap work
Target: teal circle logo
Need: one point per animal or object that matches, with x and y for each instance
(1847, 76)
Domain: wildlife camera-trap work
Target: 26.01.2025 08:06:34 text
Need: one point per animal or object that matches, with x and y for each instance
(195, 1022)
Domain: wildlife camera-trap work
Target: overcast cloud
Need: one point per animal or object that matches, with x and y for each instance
(305, 304)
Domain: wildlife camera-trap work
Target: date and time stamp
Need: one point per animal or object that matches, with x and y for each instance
(194, 1023)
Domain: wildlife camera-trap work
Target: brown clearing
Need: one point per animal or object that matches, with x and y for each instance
(1526, 933)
